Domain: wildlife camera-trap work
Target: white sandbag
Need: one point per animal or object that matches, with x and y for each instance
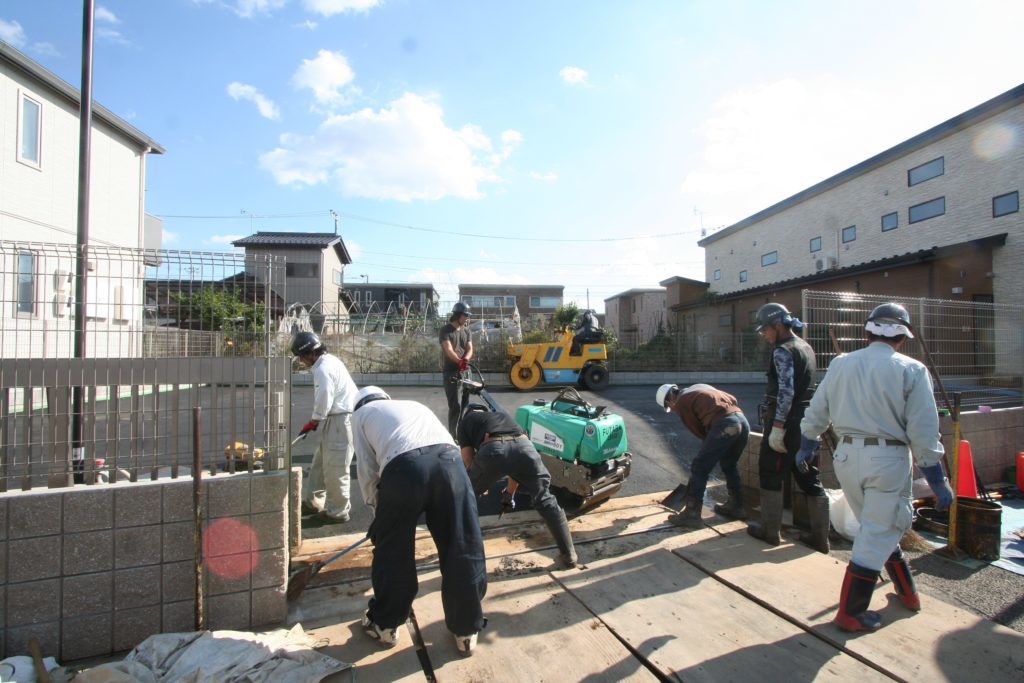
(841, 514)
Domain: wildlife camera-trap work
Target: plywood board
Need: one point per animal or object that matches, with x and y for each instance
(694, 628)
(537, 632)
(940, 643)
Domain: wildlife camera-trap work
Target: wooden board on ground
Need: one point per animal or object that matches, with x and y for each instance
(343, 638)
(537, 632)
(694, 628)
(939, 643)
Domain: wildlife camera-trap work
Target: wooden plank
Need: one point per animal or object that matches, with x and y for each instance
(940, 643)
(342, 637)
(536, 633)
(694, 628)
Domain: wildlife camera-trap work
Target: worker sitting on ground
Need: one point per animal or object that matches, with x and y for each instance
(495, 446)
(409, 466)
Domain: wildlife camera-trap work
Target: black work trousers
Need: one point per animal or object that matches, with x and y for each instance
(517, 458)
(451, 392)
(773, 467)
(430, 480)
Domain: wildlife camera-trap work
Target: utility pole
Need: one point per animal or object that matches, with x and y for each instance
(334, 213)
(84, 157)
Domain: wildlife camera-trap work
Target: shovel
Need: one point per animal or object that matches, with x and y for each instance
(300, 577)
(676, 499)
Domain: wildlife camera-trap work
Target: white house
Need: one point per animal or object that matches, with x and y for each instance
(39, 143)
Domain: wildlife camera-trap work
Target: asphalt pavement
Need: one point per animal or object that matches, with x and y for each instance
(662, 450)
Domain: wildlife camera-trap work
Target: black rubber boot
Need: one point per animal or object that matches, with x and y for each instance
(767, 529)
(817, 511)
(689, 516)
(732, 508)
(858, 585)
(558, 525)
(899, 571)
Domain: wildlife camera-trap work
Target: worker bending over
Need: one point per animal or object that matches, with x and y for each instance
(495, 446)
(408, 465)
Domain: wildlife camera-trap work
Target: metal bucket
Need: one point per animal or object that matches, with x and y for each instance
(978, 527)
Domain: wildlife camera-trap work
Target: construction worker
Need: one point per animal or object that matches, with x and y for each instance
(327, 490)
(408, 465)
(495, 446)
(790, 386)
(881, 405)
(714, 417)
(456, 351)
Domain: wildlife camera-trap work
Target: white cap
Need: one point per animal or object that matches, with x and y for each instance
(888, 329)
(367, 394)
(662, 394)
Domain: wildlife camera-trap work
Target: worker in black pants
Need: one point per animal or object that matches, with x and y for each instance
(408, 465)
(495, 446)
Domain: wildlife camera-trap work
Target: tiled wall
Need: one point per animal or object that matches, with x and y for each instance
(92, 570)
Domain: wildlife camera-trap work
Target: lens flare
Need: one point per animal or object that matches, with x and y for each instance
(229, 548)
(994, 141)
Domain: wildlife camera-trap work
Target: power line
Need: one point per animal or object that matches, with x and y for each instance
(529, 263)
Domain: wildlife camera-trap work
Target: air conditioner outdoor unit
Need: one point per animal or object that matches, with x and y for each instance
(825, 263)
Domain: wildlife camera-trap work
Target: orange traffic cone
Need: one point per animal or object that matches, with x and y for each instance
(966, 485)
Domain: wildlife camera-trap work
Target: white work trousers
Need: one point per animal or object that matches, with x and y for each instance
(329, 485)
(876, 481)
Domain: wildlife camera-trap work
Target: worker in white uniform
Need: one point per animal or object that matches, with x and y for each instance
(408, 465)
(327, 490)
(881, 405)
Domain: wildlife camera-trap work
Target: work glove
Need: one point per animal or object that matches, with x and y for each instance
(463, 364)
(777, 439)
(308, 427)
(508, 501)
(936, 479)
(807, 456)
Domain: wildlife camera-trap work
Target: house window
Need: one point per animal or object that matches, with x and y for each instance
(1005, 203)
(302, 269)
(926, 171)
(725, 320)
(815, 244)
(29, 131)
(25, 298)
(743, 276)
(926, 210)
(718, 275)
(770, 258)
(890, 221)
(355, 296)
(545, 301)
(339, 277)
(849, 233)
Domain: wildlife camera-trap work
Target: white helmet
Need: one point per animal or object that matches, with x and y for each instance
(663, 392)
(368, 394)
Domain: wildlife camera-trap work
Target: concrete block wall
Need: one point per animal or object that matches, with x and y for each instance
(94, 570)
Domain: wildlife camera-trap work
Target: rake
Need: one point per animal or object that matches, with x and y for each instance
(301, 577)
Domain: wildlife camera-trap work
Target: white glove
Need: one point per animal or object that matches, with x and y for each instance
(777, 439)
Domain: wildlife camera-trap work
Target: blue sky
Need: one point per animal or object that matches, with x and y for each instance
(580, 143)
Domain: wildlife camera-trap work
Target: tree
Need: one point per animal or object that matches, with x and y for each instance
(217, 310)
(565, 316)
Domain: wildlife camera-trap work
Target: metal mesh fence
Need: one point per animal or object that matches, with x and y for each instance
(976, 348)
(165, 333)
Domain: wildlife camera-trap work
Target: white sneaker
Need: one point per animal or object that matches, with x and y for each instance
(388, 637)
(466, 644)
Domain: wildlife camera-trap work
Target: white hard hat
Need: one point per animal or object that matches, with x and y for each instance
(662, 394)
(367, 394)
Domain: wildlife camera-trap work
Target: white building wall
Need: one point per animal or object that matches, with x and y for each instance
(982, 161)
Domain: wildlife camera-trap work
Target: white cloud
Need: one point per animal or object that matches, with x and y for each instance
(548, 177)
(11, 32)
(330, 7)
(307, 24)
(403, 152)
(169, 237)
(249, 8)
(104, 14)
(222, 240)
(573, 75)
(113, 35)
(325, 75)
(243, 91)
(46, 49)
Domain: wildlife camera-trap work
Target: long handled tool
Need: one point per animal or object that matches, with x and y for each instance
(300, 577)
